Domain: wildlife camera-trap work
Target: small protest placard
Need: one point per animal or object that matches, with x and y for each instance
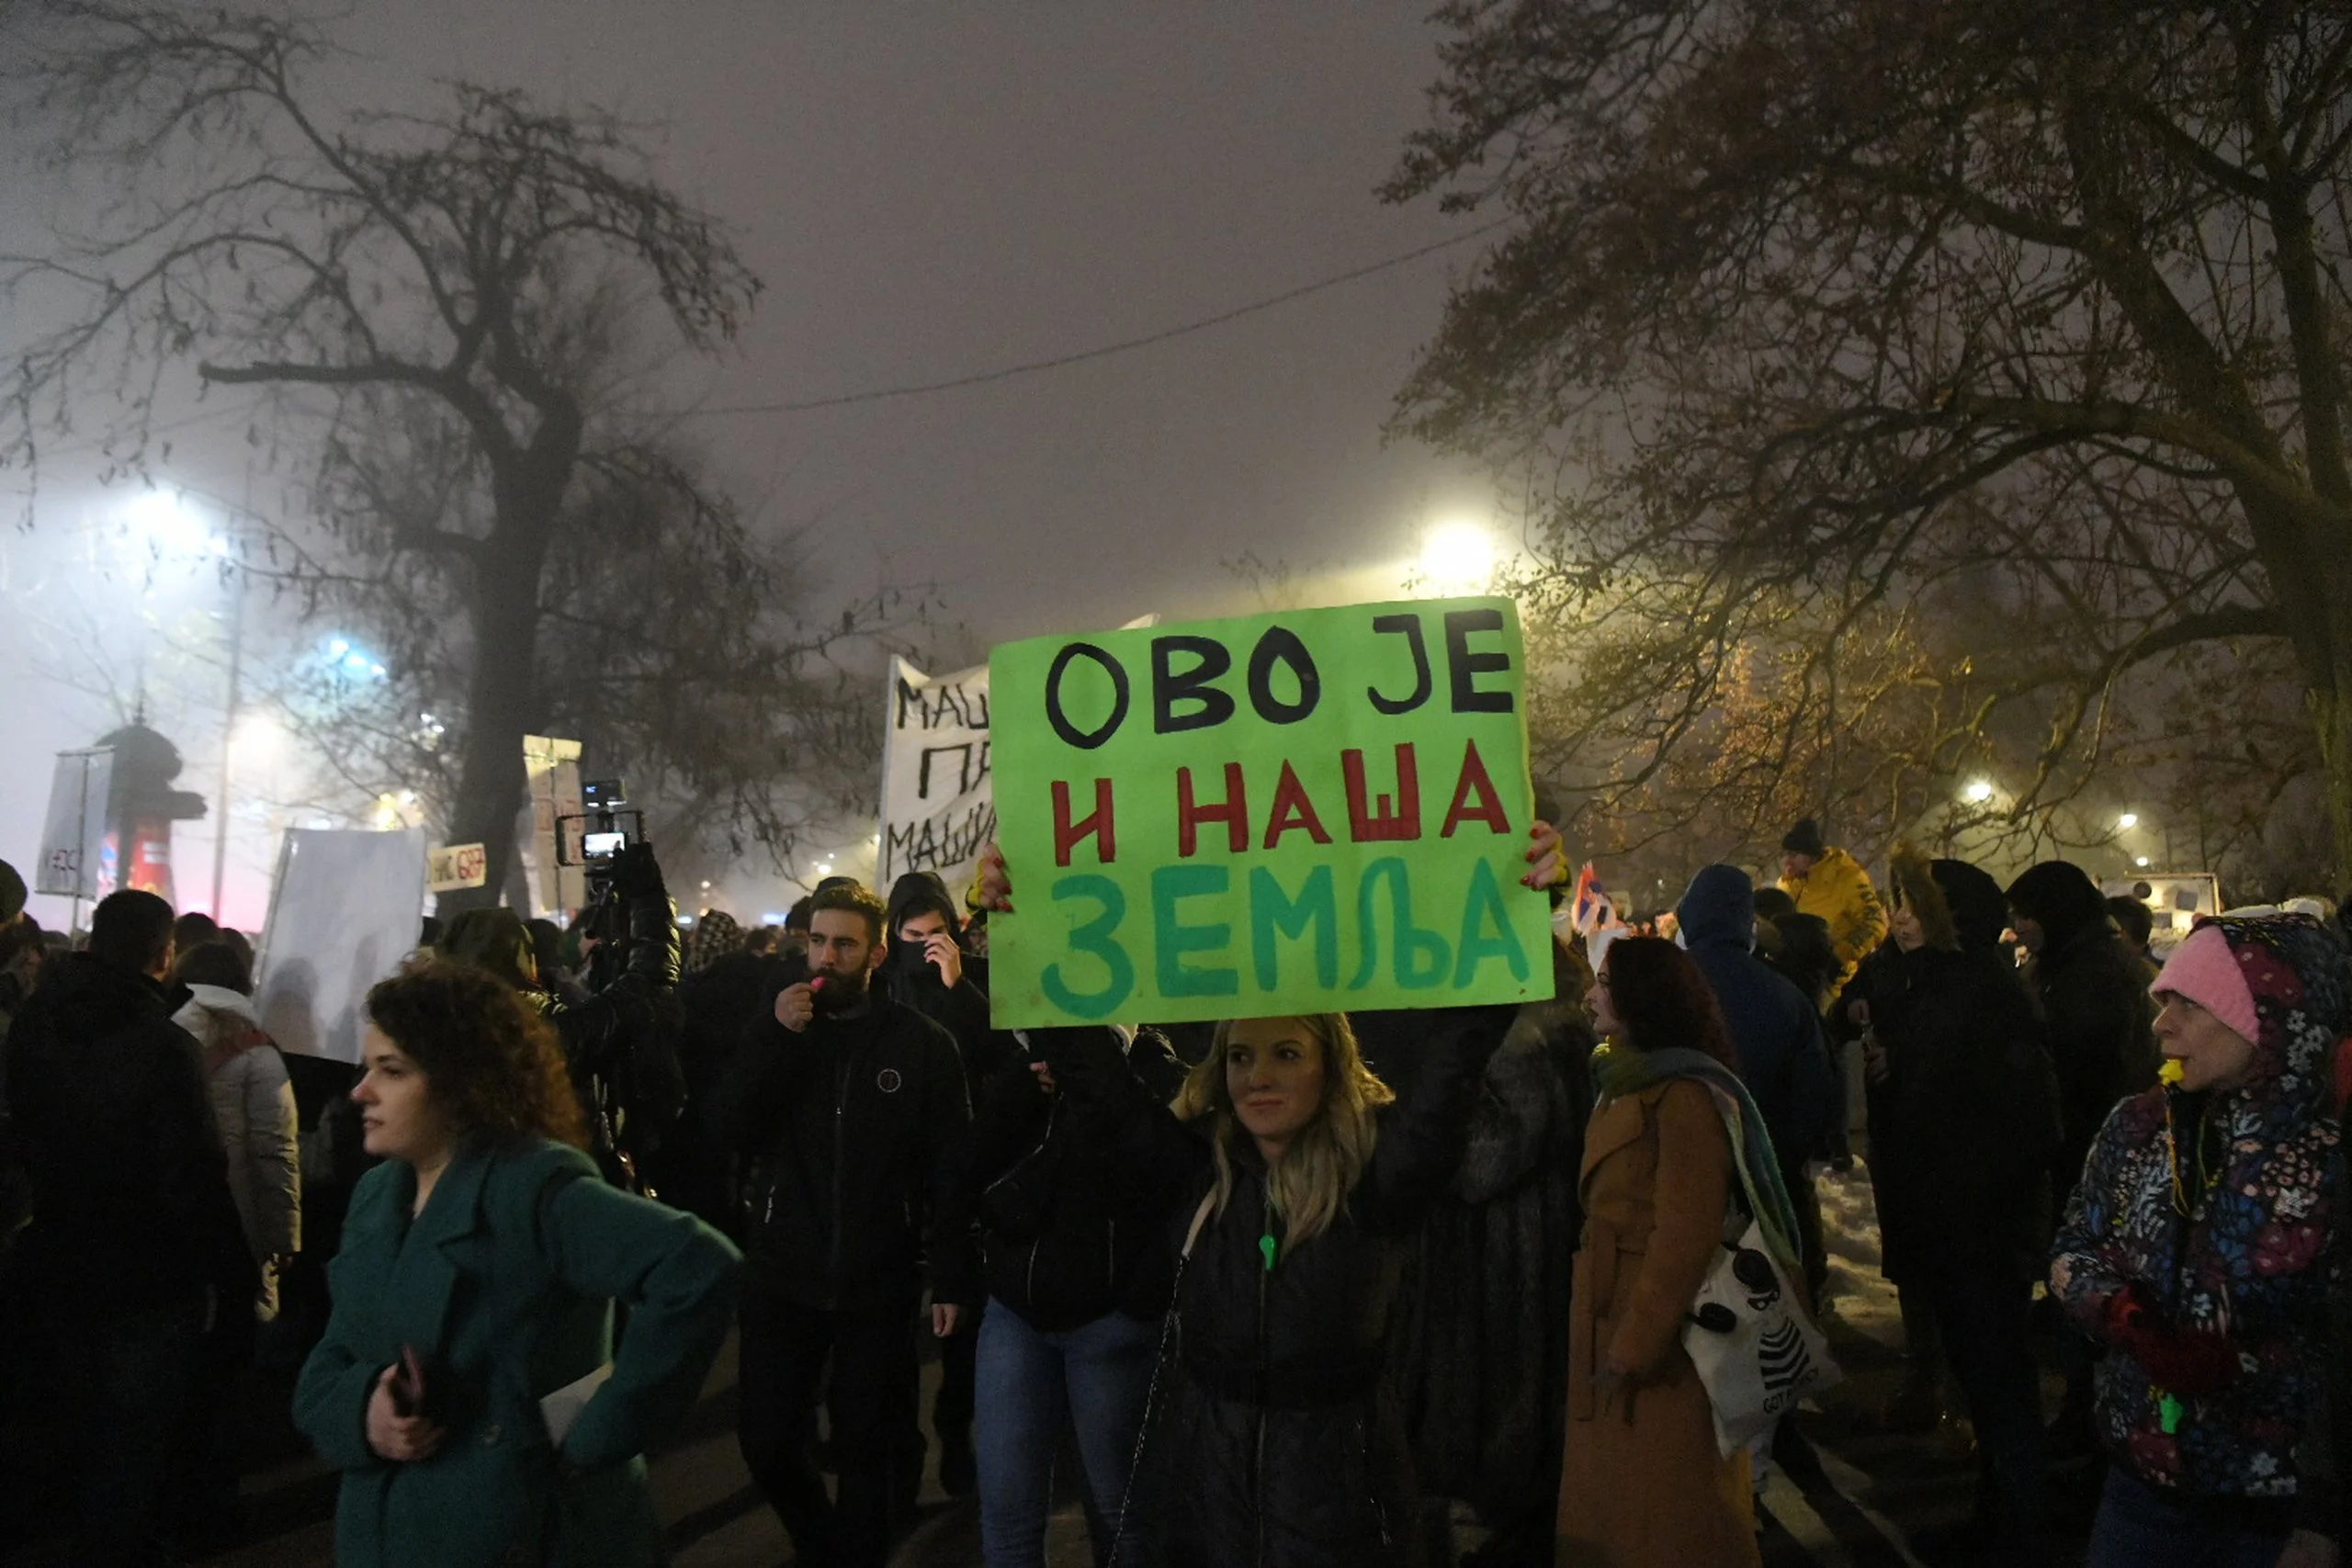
(448, 867)
(1308, 811)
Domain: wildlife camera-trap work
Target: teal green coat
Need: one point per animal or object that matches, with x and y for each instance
(503, 1285)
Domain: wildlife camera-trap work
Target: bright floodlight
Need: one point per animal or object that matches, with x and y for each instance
(1979, 791)
(2140, 861)
(1458, 556)
(2127, 822)
(171, 527)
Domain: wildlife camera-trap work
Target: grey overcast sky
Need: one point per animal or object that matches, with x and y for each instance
(932, 190)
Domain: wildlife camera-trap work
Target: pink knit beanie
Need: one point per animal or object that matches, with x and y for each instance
(2204, 968)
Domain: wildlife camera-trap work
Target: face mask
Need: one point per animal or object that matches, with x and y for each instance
(914, 958)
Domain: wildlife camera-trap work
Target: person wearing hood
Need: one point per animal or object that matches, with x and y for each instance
(1827, 880)
(2197, 1245)
(253, 1105)
(1963, 1116)
(925, 971)
(1782, 1057)
(134, 1236)
(2092, 997)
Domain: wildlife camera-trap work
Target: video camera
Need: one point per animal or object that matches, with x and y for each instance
(606, 826)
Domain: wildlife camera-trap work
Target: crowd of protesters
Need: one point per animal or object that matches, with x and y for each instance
(1291, 1291)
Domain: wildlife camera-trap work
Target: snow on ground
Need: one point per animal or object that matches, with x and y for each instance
(1857, 1293)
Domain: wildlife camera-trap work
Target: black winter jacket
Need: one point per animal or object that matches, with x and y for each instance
(857, 1126)
(1272, 1439)
(131, 1194)
(1964, 1128)
(963, 1012)
(622, 1042)
(1072, 1189)
(2093, 998)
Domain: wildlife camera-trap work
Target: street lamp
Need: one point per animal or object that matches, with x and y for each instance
(1978, 792)
(2127, 822)
(1458, 556)
(2140, 861)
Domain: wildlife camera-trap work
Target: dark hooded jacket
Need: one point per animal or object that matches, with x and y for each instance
(132, 1206)
(2094, 1000)
(1962, 1128)
(1271, 1437)
(1782, 1058)
(910, 979)
(1072, 1190)
(2259, 1170)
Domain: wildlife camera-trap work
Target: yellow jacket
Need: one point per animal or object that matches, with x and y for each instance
(1838, 890)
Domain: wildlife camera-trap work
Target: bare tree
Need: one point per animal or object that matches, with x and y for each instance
(1824, 310)
(443, 302)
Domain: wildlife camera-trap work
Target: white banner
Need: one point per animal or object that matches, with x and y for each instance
(938, 797)
(342, 914)
(76, 834)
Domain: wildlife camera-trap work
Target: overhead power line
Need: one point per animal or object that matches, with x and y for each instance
(1102, 351)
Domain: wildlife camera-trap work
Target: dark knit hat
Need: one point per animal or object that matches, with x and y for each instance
(1804, 839)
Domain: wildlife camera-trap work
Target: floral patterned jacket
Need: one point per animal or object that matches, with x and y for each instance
(2220, 1205)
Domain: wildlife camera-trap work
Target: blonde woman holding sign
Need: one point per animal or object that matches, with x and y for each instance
(1268, 1439)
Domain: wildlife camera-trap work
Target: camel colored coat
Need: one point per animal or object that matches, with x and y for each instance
(1643, 1484)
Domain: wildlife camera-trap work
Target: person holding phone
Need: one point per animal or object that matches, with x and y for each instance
(925, 971)
(466, 1385)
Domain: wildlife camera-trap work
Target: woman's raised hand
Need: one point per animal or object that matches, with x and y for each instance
(1547, 862)
(996, 882)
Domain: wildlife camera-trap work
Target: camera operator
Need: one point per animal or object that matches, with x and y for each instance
(621, 1041)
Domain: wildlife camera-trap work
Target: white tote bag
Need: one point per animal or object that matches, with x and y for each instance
(1757, 1350)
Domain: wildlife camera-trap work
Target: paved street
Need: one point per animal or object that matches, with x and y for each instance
(1858, 1506)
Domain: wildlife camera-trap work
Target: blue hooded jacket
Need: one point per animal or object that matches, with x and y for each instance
(1782, 1058)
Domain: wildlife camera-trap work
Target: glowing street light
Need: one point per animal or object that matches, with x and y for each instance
(169, 526)
(2127, 822)
(1978, 792)
(2140, 861)
(1458, 556)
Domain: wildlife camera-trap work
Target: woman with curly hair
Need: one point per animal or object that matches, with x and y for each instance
(466, 1385)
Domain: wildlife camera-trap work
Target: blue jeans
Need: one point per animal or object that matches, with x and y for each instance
(2139, 1527)
(1101, 1374)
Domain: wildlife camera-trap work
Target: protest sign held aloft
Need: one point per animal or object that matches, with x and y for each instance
(1309, 811)
(937, 805)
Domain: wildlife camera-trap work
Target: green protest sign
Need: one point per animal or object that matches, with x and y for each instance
(1311, 812)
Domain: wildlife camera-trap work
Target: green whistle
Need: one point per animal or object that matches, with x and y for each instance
(2169, 1411)
(1266, 1246)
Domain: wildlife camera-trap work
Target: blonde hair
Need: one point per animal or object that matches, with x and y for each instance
(1310, 1185)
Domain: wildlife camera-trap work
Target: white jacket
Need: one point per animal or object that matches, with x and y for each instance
(254, 1104)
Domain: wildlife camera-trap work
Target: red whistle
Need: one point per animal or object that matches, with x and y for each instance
(815, 983)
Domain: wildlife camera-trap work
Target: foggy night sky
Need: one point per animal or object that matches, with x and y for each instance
(932, 191)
